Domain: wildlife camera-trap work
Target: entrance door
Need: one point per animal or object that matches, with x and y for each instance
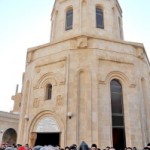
(118, 138)
(48, 139)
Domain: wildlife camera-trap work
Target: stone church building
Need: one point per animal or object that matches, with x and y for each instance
(87, 83)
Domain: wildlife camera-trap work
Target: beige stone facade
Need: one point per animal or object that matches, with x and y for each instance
(80, 64)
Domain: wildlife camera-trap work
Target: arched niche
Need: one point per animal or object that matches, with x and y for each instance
(9, 136)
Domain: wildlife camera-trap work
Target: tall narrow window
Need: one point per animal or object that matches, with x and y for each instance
(49, 91)
(118, 129)
(69, 19)
(120, 28)
(99, 18)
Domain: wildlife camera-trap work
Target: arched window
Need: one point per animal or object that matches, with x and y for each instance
(118, 129)
(48, 92)
(69, 19)
(99, 18)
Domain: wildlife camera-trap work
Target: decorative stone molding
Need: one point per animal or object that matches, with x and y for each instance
(113, 58)
(36, 103)
(45, 79)
(82, 42)
(120, 76)
(29, 57)
(33, 136)
(48, 81)
(59, 100)
(79, 42)
(57, 76)
(140, 53)
(50, 60)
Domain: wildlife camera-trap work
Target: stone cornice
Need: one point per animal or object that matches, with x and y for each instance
(119, 7)
(9, 115)
(134, 44)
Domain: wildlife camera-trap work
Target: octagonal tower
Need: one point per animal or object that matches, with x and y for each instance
(101, 18)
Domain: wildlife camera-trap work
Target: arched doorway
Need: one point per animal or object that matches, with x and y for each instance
(46, 132)
(9, 136)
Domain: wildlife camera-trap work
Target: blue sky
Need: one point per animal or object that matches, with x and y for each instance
(26, 23)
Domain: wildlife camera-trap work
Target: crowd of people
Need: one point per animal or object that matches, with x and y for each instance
(82, 146)
(6, 146)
